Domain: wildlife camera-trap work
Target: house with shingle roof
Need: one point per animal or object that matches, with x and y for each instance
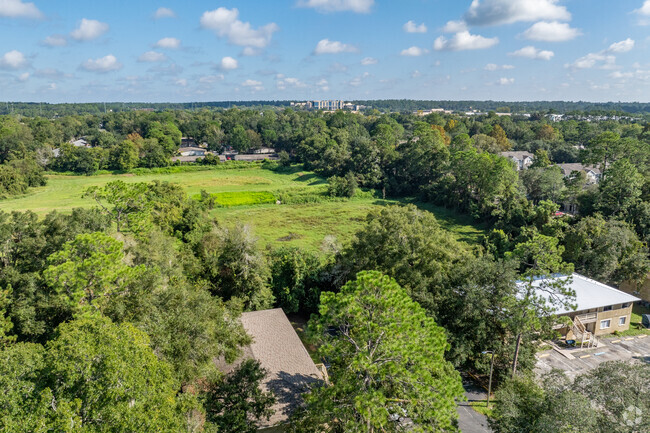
(290, 370)
(522, 159)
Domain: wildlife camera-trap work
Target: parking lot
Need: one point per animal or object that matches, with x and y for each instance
(577, 362)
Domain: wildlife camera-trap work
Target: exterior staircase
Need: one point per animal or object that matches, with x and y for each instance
(582, 334)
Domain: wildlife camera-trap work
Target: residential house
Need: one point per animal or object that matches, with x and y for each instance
(522, 159)
(290, 369)
(192, 151)
(80, 143)
(593, 173)
(599, 309)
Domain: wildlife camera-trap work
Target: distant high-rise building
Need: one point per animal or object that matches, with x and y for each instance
(328, 105)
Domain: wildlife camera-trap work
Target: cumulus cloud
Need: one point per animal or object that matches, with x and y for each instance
(19, 9)
(411, 27)
(505, 81)
(254, 85)
(102, 64)
(283, 82)
(413, 52)
(358, 6)
(89, 30)
(169, 43)
(366, 61)
(496, 12)
(55, 41)
(23, 77)
(225, 23)
(621, 47)
(182, 82)
(553, 31)
(464, 41)
(495, 67)
(604, 59)
(152, 57)
(323, 85)
(325, 46)
(228, 63)
(531, 52)
(13, 60)
(644, 9)
(163, 12)
(454, 26)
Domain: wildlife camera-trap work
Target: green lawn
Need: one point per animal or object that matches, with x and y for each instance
(248, 196)
(64, 192)
(307, 225)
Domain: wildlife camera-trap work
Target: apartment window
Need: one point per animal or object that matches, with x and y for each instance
(625, 305)
(604, 324)
(608, 308)
(622, 320)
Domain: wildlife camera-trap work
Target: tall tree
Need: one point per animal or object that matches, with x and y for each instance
(387, 362)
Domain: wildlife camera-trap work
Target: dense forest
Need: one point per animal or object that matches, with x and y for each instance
(384, 105)
(149, 286)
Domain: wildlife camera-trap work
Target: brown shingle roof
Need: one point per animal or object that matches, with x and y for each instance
(279, 350)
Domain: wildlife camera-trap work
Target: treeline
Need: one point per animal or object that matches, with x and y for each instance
(136, 298)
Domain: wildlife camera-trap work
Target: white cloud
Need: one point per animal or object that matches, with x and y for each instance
(181, 82)
(495, 67)
(618, 74)
(325, 46)
(323, 85)
(505, 81)
(416, 74)
(253, 85)
(464, 41)
(55, 41)
(496, 12)
(411, 27)
(23, 77)
(19, 9)
(228, 63)
(52, 74)
(225, 23)
(89, 30)
(366, 61)
(170, 43)
(209, 79)
(102, 64)
(604, 59)
(553, 31)
(13, 60)
(622, 46)
(531, 52)
(454, 26)
(413, 52)
(283, 82)
(644, 9)
(592, 59)
(152, 56)
(163, 12)
(359, 6)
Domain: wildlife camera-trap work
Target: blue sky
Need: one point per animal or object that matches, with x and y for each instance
(168, 50)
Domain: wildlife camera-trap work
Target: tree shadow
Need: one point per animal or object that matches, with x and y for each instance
(289, 388)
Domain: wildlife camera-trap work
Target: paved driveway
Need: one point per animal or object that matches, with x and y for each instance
(469, 420)
(609, 349)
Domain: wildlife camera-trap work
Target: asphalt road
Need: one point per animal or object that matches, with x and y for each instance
(469, 420)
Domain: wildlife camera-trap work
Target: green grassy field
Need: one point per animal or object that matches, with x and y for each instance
(247, 196)
(65, 192)
(306, 225)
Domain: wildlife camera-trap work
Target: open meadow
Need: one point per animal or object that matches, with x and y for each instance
(248, 196)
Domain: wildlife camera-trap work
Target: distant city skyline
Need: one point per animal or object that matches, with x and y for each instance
(174, 51)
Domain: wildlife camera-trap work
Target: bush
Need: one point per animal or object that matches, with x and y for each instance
(342, 186)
